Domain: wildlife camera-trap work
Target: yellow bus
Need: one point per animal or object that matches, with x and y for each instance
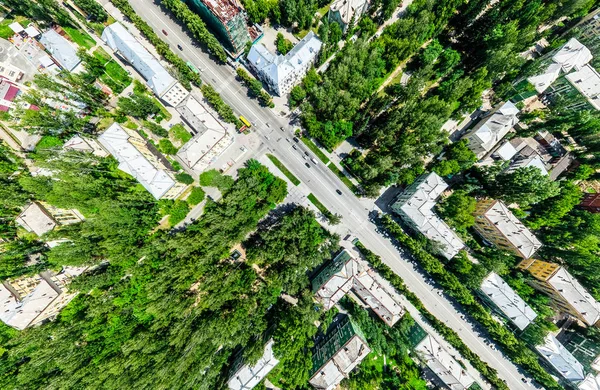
(245, 122)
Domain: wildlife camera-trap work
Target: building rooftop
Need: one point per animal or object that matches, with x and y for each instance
(208, 143)
(347, 8)
(573, 55)
(587, 82)
(119, 39)
(224, 10)
(513, 229)
(419, 209)
(36, 219)
(116, 141)
(84, 144)
(574, 293)
(532, 161)
(61, 49)
(441, 362)
(492, 128)
(561, 359)
(542, 81)
(591, 382)
(508, 301)
(506, 152)
(246, 377)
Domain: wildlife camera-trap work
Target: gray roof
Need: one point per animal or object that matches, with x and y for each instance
(561, 359)
(491, 129)
(591, 382)
(574, 293)
(573, 55)
(247, 377)
(35, 219)
(119, 39)
(508, 301)
(542, 81)
(347, 8)
(133, 162)
(61, 49)
(587, 82)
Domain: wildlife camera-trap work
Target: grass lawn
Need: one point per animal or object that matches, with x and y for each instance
(5, 31)
(101, 54)
(180, 133)
(343, 177)
(311, 145)
(313, 199)
(285, 171)
(79, 37)
(49, 142)
(163, 111)
(323, 10)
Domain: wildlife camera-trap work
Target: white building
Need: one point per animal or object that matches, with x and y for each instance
(344, 11)
(30, 301)
(210, 141)
(344, 274)
(561, 359)
(135, 158)
(158, 79)
(415, 206)
(443, 365)
(507, 301)
(587, 81)
(531, 161)
(279, 72)
(61, 49)
(10, 72)
(542, 81)
(85, 144)
(492, 128)
(41, 217)
(591, 382)
(246, 377)
(573, 55)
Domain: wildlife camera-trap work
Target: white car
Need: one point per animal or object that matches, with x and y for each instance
(314, 161)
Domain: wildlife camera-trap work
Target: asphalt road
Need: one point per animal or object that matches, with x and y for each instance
(322, 183)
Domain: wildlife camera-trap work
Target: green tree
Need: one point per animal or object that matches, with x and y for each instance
(167, 147)
(185, 178)
(525, 186)
(458, 209)
(196, 196)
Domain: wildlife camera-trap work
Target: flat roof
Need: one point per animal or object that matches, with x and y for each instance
(61, 49)
(35, 219)
(561, 359)
(247, 377)
(587, 82)
(133, 162)
(508, 301)
(574, 293)
(224, 10)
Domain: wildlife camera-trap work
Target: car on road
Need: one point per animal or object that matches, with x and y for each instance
(307, 165)
(179, 47)
(314, 161)
(164, 32)
(294, 146)
(281, 128)
(338, 191)
(288, 140)
(296, 139)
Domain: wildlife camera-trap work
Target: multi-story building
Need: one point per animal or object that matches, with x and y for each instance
(41, 217)
(443, 364)
(159, 80)
(561, 359)
(591, 382)
(415, 206)
(497, 292)
(228, 19)
(337, 353)
(344, 12)
(30, 301)
(591, 203)
(245, 376)
(492, 128)
(137, 158)
(10, 72)
(211, 138)
(61, 49)
(498, 225)
(566, 293)
(282, 73)
(346, 273)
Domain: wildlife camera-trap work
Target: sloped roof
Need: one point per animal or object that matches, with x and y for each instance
(506, 151)
(513, 229)
(443, 364)
(561, 359)
(119, 39)
(491, 129)
(116, 141)
(84, 144)
(542, 81)
(574, 293)
(61, 49)
(347, 8)
(508, 301)
(419, 209)
(19, 312)
(35, 219)
(573, 55)
(532, 161)
(591, 382)
(587, 81)
(247, 377)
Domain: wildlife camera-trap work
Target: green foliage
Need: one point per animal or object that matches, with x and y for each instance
(551, 211)
(284, 169)
(283, 45)
(196, 196)
(184, 178)
(81, 38)
(166, 146)
(315, 149)
(458, 158)
(213, 178)
(180, 133)
(41, 11)
(525, 186)
(94, 10)
(334, 219)
(297, 95)
(177, 211)
(255, 88)
(457, 210)
(215, 100)
(49, 142)
(138, 106)
(156, 129)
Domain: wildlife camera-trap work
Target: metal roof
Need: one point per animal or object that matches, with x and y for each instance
(591, 382)
(246, 376)
(587, 82)
(508, 301)
(561, 359)
(573, 55)
(491, 129)
(35, 219)
(542, 81)
(347, 8)
(574, 293)
(61, 49)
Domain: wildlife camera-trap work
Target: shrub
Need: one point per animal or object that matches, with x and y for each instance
(196, 196)
(166, 146)
(156, 129)
(184, 178)
(178, 211)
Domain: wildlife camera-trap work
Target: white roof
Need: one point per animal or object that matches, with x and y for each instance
(84, 144)
(508, 301)
(116, 141)
(574, 293)
(279, 68)
(32, 31)
(506, 151)
(210, 141)
(491, 129)
(573, 55)
(532, 161)
(591, 382)
(418, 208)
(16, 27)
(587, 82)
(347, 8)
(35, 219)
(246, 377)
(119, 39)
(19, 313)
(513, 229)
(61, 49)
(561, 359)
(339, 284)
(443, 364)
(542, 81)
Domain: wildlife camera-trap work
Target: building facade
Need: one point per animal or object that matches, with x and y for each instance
(344, 12)
(566, 293)
(498, 225)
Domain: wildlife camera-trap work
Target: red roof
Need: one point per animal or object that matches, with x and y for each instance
(11, 93)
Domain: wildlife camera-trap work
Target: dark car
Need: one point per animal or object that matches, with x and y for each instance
(307, 165)
(305, 152)
(179, 47)
(338, 192)
(164, 32)
(296, 139)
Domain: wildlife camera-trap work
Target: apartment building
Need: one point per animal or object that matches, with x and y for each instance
(41, 217)
(566, 293)
(561, 359)
(490, 130)
(245, 376)
(344, 12)
(498, 225)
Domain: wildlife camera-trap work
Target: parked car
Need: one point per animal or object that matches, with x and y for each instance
(314, 161)
(179, 47)
(164, 32)
(338, 192)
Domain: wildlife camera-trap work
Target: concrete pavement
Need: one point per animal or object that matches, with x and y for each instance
(322, 183)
